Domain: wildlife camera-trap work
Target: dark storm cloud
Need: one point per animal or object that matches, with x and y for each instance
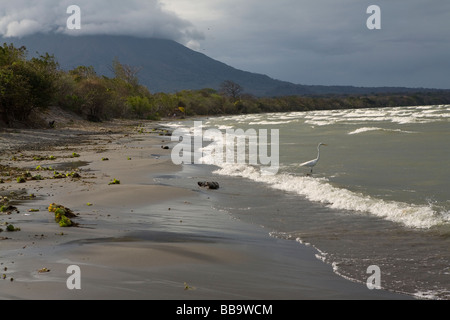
(303, 41)
(145, 18)
(328, 42)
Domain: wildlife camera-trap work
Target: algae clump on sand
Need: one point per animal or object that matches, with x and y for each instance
(62, 215)
(11, 228)
(115, 181)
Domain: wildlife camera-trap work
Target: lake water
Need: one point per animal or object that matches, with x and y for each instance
(379, 194)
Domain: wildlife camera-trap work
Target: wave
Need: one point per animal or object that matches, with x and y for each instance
(223, 127)
(270, 122)
(400, 115)
(320, 190)
(367, 129)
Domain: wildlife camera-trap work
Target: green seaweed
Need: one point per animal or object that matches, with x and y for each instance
(57, 175)
(73, 175)
(4, 200)
(7, 209)
(21, 180)
(11, 228)
(65, 222)
(39, 168)
(59, 213)
(62, 215)
(115, 181)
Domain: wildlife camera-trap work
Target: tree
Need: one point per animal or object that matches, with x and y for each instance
(10, 54)
(83, 72)
(231, 89)
(126, 73)
(140, 106)
(94, 98)
(25, 85)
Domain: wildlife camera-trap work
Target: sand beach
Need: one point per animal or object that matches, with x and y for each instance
(141, 239)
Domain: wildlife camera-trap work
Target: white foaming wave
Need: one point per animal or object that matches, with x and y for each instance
(425, 107)
(243, 118)
(366, 113)
(321, 122)
(412, 119)
(270, 122)
(433, 114)
(399, 119)
(174, 125)
(428, 295)
(428, 111)
(289, 116)
(224, 127)
(319, 190)
(400, 115)
(367, 129)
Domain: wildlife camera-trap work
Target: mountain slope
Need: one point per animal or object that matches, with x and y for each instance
(167, 66)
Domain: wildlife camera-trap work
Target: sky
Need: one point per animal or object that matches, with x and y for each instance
(312, 42)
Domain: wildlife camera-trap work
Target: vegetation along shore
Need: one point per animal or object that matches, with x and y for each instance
(29, 86)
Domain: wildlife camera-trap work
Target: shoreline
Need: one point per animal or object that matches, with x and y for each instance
(143, 238)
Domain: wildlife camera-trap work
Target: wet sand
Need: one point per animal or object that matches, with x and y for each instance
(141, 239)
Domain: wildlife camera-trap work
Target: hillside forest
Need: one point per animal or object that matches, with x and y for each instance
(30, 85)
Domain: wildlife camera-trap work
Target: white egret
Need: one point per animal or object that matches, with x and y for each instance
(312, 163)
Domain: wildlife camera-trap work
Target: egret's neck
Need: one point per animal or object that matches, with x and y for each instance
(318, 152)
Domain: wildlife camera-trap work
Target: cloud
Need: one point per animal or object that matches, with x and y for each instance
(21, 28)
(327, 41)
(143, 18)
(303, 41)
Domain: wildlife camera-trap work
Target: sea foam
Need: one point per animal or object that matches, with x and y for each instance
(320, 190)
(367, 129)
